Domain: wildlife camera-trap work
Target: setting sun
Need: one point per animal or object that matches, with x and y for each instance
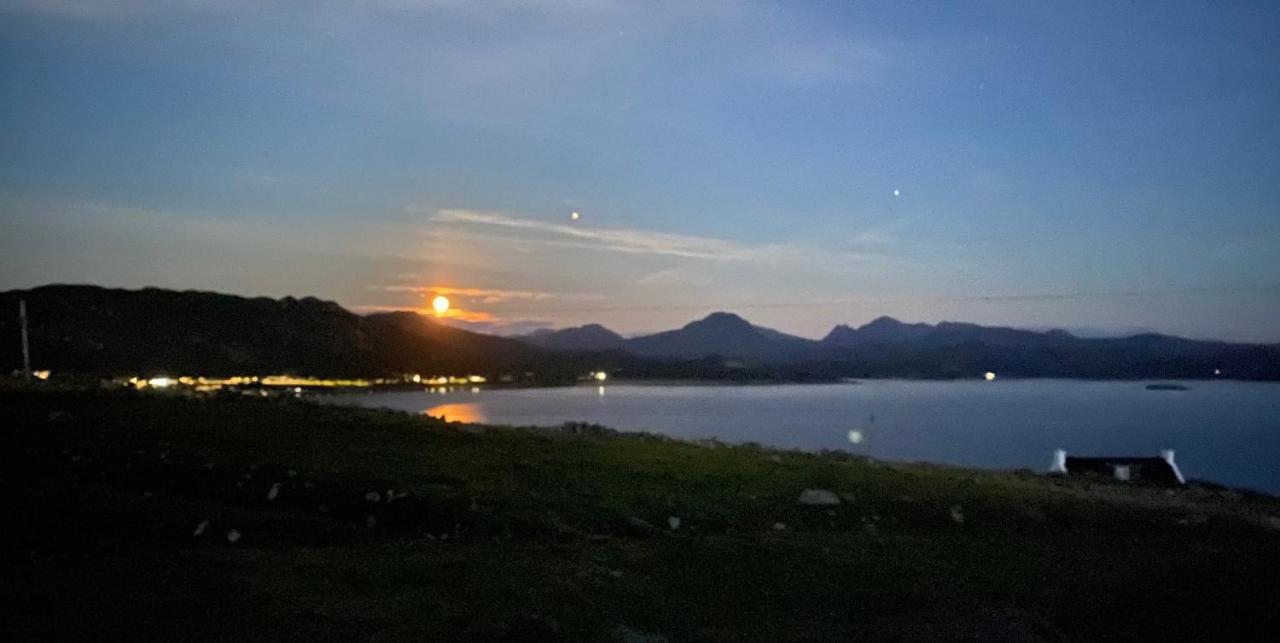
(440, 304)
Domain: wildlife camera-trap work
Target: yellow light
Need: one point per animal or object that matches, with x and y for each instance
(160, 382)
(989, 376)
(575, 216)
(417, 379)
(602, 376)
(41, 375)
(440, 304)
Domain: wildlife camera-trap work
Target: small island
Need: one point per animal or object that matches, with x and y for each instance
(1167, 386)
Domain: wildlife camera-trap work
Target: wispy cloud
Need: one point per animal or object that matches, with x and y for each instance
(658, 277)
(473, 320)
(490, 295)
(833, 62)
(612, 239)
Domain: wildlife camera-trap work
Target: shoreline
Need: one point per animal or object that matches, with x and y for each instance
(302, 521)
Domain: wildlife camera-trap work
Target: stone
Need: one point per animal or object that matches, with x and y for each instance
(818, 498)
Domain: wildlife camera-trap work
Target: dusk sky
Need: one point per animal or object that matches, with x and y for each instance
(1107, 166)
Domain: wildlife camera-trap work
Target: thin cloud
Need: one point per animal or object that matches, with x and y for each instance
(477, 321)
(455, 314)
(613, 239)
(658, 277)
(834, 62)
(490, 295)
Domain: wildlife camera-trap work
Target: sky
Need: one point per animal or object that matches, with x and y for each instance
(1103, 167)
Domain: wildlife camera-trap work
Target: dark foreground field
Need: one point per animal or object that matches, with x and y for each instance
(119, 512)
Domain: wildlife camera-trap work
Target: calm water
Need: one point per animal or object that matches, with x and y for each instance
(1223, 431)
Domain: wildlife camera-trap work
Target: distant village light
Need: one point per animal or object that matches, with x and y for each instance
(989, 376)
(601, 376)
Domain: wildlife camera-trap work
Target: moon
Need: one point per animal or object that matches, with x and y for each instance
(897, 193)
(440, 304)
(575, 216)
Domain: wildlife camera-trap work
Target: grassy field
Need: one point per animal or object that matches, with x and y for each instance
(120, 512)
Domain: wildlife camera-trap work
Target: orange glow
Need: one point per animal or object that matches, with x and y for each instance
(440, 304)
(469, 413)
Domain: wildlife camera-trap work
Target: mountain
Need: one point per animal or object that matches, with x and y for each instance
(96, 330)
(100, 331)
(887, 330)
(882, 330)
(889, 348)
(725, 335)
(592, 337)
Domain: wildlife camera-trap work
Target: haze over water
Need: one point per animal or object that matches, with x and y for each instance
(1228, 432)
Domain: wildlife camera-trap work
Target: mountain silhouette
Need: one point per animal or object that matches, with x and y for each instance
(100, 331)
(725, 335)
(882, 330)
(592, 337)
(93, 330)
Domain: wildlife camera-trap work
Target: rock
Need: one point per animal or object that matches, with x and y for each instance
(233, 535)
(957, 514)
(779, 526)
(373, 496)
(628, 635)
(673, 522)
(818, 497)
(275, 491)
(639, 524)
(200, 528)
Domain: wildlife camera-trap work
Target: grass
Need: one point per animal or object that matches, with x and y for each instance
(526, 534)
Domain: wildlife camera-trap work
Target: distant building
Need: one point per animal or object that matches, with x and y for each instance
(1161, 471)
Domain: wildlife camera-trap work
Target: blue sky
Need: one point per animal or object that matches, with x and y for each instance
(1086, 165)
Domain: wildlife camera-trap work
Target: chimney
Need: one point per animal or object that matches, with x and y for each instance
(1060, 461)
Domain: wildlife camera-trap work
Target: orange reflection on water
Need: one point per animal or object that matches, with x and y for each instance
(469, 413)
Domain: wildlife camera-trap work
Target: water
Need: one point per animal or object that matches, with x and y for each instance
(1224, 431)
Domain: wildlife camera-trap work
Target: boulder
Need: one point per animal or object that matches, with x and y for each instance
(818, 498)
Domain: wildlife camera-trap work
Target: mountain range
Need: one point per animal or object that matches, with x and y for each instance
(886, 347)
(94, 330)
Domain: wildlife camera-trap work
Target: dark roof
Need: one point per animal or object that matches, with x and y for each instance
(1155, 471)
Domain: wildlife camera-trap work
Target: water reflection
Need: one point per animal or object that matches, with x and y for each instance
(1008, 423)
(456, 412)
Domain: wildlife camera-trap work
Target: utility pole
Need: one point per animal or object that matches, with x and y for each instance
(26, 346)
